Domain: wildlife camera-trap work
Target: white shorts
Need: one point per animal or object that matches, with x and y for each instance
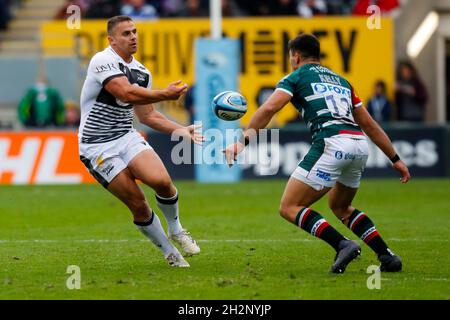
(339, 158)
(106, 160)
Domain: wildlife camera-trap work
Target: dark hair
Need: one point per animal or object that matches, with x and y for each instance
(307, 45)
(382, 84)
(112, 22)
(410, 66)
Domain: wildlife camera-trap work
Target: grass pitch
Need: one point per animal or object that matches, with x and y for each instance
(248, 251)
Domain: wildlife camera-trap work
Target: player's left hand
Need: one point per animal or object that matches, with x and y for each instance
(232, 151)
(401, 167)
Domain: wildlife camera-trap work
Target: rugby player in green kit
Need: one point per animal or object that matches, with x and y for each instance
(339, 124)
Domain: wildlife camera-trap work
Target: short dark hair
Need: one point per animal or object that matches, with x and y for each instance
(307, 45)
(382, 84)
(410, 66)
(112, 22)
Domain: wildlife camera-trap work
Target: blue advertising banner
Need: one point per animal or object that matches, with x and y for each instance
(216, 70)
(426, 150)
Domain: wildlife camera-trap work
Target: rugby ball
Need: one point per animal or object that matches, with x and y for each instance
(229, 105)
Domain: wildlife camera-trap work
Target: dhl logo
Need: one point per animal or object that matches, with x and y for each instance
(41, 158)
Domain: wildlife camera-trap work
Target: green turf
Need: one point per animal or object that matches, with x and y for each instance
(268, 259)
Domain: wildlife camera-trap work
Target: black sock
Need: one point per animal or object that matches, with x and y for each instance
(364, 228)
(314, 223)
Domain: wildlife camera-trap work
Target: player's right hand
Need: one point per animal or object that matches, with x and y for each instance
(232, 151)
(401, 167)
(174, 90)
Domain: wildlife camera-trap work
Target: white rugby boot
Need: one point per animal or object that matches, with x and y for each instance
(175, 259)
(187, 244)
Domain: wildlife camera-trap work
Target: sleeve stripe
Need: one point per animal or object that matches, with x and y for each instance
(285, 90)
(112, 77)
(358, 105)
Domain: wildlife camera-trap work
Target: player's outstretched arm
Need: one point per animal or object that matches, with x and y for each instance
(159, 122)
(381, 139)
(259, 120)
(123, 90)
(265, 113)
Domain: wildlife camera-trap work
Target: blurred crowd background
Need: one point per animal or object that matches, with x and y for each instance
(150, 9)
(407, 101)
(153, 9)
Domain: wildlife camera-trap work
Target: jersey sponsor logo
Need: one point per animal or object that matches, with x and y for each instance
(135, 76)
(107, 170)
(323, 175)
(338, 100)
(352, 156)
(105, 67)
(141, 78)
(100, 161)
(326, 88)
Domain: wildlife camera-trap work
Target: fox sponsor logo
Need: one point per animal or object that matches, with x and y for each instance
(326, 88)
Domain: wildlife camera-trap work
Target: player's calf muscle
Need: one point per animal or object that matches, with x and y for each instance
(139, 207)
(342, 212)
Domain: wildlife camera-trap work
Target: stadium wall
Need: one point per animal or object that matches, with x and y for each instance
(18, 74)
(166, 46)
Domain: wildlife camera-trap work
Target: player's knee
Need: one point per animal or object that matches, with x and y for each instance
(165, 188)
(285, 211)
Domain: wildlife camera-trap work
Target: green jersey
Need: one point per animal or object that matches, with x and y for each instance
(324, 99)
(42, 106)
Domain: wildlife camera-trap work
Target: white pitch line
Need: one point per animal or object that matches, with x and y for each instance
(437, 279)
(417, 240)
(418, 279)
(200, 240)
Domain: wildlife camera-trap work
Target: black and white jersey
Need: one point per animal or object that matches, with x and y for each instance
(103, 117)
